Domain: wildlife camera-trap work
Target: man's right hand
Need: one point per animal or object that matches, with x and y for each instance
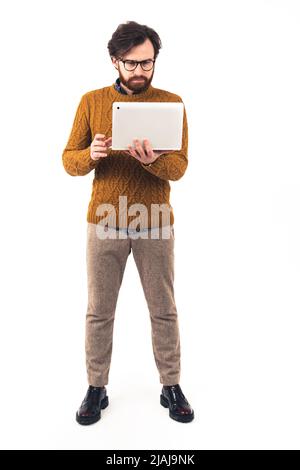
(99, 146)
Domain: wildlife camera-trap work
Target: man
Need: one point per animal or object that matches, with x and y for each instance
(141, 177)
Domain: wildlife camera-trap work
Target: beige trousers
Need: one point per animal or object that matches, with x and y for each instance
(106, 259)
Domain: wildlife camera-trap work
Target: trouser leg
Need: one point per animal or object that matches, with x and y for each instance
(106, 261)
(154, 259)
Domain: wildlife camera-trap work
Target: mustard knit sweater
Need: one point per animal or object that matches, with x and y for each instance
(120, 174)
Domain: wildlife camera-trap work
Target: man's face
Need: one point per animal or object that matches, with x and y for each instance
(128, 79)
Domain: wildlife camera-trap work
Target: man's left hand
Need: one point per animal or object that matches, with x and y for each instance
(144, 155)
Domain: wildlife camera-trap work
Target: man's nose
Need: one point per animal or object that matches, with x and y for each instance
(139, 65)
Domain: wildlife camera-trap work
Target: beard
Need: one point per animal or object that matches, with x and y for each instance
(136, 87)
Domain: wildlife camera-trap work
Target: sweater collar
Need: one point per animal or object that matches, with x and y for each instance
(119, 88)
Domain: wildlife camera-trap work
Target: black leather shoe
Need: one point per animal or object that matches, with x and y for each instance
(90, 409)
(179, 408)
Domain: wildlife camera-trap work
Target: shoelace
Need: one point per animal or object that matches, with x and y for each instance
(92, 393)
(176, 389)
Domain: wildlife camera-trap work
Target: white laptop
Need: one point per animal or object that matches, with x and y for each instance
(161, 123)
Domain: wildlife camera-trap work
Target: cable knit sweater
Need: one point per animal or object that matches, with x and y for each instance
(120, 174)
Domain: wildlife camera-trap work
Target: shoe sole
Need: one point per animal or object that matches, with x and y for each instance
(182, 419)
(85, 420)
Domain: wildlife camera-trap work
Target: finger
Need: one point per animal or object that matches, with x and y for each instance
(99, 136)
(99, 146)
(99, 154)
(133, 152)
(139, 148)
(108, 142)
(148, 148)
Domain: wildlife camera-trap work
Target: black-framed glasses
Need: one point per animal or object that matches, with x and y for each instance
(131, 65)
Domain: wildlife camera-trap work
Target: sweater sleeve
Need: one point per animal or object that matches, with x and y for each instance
(76, 155)
(172, 165)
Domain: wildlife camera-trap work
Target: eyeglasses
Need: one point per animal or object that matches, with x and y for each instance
(131, 65)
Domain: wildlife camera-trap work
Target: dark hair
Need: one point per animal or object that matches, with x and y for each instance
(129, 35)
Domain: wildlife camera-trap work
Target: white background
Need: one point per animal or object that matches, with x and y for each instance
(237, 229)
